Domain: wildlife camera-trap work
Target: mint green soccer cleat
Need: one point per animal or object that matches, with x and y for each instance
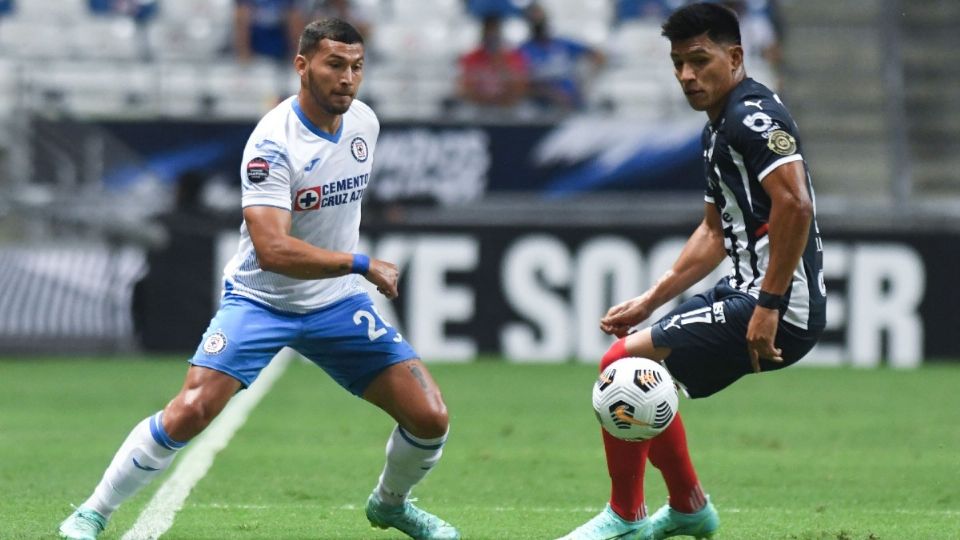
(82, 524)
(409, 519)
(667, 522)
(607, 525)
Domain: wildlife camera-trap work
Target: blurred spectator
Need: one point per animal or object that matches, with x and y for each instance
(267, 29)
(138, 10)
(493, 73)
(657, 10)
(496, 8)
(345, 10)
(556, 65)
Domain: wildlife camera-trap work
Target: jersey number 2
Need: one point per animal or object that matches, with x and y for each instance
(373, 332)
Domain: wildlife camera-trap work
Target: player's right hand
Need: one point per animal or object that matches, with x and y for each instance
(385, 276)
(625, 315)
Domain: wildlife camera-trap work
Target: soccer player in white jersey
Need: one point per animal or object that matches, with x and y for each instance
(766, 314)
(295, 282)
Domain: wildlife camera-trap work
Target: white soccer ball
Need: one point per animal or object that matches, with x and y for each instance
(635, 399)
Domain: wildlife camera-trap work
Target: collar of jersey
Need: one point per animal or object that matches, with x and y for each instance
(334, 138)
(723, 115)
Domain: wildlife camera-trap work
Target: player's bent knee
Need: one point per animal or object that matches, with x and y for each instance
(184, 419)
(429, 424)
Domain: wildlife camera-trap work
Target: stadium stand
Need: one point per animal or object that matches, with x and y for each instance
(932, 67)
(413, 55)
(175, 64)
(836, 102)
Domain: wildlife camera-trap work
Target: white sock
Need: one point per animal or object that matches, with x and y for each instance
(409, 459)
(146, 452)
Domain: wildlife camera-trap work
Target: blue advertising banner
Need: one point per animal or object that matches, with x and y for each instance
(450, 164)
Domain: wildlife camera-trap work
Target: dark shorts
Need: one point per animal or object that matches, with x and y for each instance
(707, 335)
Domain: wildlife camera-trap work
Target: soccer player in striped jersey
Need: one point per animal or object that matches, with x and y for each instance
(767, 313)
(295, 282)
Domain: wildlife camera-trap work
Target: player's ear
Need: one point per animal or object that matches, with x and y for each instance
(736, 57)
(300, 64)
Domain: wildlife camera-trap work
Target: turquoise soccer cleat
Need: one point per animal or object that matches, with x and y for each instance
(607, 525)
(409, 519)
(82, 524)
(667, 522)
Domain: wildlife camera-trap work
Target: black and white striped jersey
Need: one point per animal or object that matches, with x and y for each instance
(755, 135)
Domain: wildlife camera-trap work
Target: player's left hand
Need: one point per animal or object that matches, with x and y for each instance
(625, 315)
(761, 335)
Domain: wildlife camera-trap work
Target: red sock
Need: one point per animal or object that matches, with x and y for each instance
(616, 351)
(625, 463)
(625, 460)
(668, 452)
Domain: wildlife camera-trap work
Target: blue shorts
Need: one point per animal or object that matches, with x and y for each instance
(348, 339)
(707, 336)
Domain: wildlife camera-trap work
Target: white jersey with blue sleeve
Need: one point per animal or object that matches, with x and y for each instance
(320, 178)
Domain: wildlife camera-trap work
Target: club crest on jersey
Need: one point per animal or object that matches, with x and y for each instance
(307, 199)
(782, 143)
(358, 147)
(216, 343)
(257, 170)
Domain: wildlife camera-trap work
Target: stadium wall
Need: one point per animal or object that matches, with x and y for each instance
(536, 294)
(530, 294)
(524, 272)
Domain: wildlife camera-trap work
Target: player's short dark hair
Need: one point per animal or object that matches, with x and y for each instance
(332, 29)
(719, 22)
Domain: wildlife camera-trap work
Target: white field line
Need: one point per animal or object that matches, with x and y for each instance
(158, 516)
(572, 509)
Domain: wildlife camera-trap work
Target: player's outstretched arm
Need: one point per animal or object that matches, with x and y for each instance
(278, 252)
(701, 254)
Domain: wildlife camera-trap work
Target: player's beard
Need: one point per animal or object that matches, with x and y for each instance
(325, 105)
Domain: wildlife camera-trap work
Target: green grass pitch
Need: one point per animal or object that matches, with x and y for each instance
(801, 454)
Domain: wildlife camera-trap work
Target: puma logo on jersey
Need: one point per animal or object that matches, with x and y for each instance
(674, 323)
(758, 103)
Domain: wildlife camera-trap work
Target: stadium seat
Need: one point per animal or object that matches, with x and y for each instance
(47, 12)
(25, 38)
(78, 88)
(245, 90)
(415, 13)
(191, 31)
(181, 95)
(107, 37)
(588, 11)
(638, 98)
(639, 41)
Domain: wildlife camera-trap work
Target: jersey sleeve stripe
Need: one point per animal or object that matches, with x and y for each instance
(782, 161)
(265, 200)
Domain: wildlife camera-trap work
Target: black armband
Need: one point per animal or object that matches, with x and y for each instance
(769, 301)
